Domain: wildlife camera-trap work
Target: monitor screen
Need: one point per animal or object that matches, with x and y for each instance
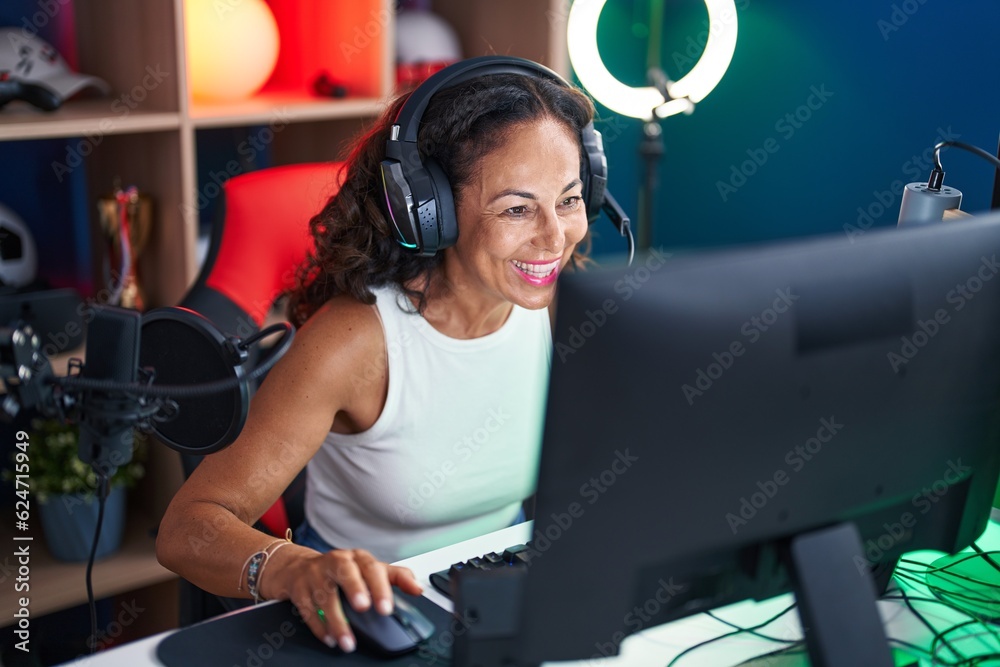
(706, 412)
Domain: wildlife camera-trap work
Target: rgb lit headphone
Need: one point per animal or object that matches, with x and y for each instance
(418, 197)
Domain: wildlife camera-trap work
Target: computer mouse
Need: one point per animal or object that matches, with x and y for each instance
(396, 634)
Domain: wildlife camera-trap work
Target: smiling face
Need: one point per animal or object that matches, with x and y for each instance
(520, 216)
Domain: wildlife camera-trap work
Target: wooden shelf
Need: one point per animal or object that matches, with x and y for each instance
(155, 147)
(56, 585)
(280, 107)
(81, 118)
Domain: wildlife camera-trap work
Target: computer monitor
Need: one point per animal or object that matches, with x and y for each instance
(738, 424)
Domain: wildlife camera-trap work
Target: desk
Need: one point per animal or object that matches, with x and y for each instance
(658, 645)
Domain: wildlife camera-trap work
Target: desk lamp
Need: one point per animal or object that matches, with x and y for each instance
(663, 97)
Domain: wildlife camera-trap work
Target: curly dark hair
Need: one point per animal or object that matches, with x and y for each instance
(355, 247)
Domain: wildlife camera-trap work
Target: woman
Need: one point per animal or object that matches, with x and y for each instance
(415, 390)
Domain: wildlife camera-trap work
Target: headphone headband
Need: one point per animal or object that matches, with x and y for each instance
(417, 196)
(408, 118)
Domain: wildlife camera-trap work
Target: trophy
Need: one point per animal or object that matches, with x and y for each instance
(126, 218)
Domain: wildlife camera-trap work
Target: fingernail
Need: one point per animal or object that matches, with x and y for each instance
(330, 641)
(347, 643)
(384, 607)
(360, 601)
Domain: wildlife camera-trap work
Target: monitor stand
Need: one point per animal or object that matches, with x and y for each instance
(836, 599)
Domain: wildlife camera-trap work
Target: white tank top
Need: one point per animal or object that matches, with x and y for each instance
(455, 450)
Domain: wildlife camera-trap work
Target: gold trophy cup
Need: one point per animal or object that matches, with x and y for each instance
(126, 219)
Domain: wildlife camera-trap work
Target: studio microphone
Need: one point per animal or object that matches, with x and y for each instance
(109, 396)
(170, 372)
(107, 418)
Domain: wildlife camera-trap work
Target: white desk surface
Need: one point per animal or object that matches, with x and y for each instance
(657, 645)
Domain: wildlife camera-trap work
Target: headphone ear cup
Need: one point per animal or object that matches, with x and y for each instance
(595, 171)
(447, 221)
(397, 200)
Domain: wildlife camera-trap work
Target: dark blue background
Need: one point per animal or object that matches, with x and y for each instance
(892, 91)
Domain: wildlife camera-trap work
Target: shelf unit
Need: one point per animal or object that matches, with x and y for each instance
(56, 585)
(146, 133)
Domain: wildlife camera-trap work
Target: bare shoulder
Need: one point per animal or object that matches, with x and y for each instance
(341, 352)
(341, 334)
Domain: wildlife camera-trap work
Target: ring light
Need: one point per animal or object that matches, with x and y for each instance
(640, 102)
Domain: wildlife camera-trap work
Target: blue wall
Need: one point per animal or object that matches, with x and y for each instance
(894, 88)
(897, 74)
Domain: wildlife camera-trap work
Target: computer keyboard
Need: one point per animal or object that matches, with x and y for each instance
(518, 555)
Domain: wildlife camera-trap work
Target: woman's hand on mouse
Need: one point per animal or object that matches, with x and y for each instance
(311, 580)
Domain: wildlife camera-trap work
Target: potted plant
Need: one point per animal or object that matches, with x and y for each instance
(65, 489)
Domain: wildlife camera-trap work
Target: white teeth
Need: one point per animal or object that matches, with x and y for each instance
(537, 270)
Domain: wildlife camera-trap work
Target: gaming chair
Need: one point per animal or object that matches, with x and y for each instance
(258, 241)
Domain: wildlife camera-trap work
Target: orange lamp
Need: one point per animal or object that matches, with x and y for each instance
(232, 47)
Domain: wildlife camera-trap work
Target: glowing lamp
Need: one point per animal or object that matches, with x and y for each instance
(640, 102)
(232, 47)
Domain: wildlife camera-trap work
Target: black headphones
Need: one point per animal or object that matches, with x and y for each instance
(418, 197)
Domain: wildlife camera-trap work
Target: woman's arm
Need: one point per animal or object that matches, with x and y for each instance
(206, 534)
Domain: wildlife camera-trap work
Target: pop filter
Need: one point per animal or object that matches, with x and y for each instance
(185, 348)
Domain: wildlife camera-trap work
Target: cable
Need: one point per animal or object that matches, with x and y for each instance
(945, 572)
(929, 568)
(992, 653)
(966, 147)
(731, 634)
(937, 590)
(906, 598)
(102, 494)
(986, 554)
(752, 632)
(784, 650)
(941, 636)
(621, 222)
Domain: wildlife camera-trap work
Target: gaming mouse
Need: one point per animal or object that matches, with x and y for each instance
(395, 634)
